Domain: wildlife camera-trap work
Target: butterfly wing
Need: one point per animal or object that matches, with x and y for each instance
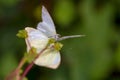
(35, 39)
(47, 25)
(49, 58)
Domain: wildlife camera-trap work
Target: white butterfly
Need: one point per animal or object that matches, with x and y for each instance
(38, 38)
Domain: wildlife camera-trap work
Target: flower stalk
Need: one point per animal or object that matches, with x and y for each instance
(31, 64)
(17, 73)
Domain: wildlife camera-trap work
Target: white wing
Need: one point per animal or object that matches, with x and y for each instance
(49, 58)
(36, 39)
(47, 25)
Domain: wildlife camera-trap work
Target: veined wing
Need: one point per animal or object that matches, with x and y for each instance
(47, 25)
(49, 58)
(35, 39)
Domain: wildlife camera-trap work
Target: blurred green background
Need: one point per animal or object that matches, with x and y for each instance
(94, 57)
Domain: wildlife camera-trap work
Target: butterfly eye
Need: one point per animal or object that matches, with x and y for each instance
(56, 37)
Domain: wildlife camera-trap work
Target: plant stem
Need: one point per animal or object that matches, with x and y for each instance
(32, 63)
(27, 70)
(22, 62)
(16, 72)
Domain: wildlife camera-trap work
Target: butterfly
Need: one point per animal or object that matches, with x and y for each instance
(39, 38)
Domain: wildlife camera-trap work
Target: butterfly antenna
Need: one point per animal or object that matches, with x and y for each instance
(72, 36)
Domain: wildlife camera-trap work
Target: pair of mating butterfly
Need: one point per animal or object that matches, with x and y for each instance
(39, 38)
